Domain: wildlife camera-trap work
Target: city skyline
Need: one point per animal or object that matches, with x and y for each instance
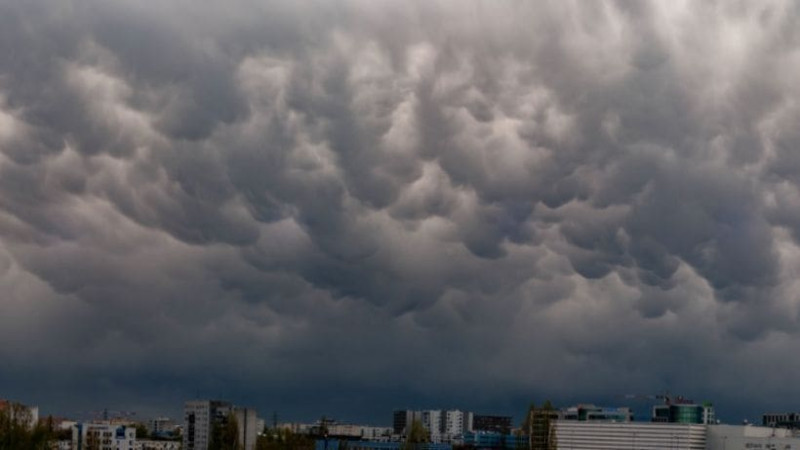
(347, 207)
(635, 407)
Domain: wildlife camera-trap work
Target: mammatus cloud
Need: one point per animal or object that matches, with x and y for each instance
(362, 205)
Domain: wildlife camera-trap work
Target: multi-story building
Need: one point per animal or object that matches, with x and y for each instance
(199, 419)
(246, 420)
(362, 432)
(442, 426)
(103, 436)
(432, 421)
(260, 424)
(590, 413)
(336, 444)
(593, 435)
(749, 437)
(456, 422)
(147, 444)
(683, 411)
(161, 426)
(781, 420)
(496, 424)
(402, 420)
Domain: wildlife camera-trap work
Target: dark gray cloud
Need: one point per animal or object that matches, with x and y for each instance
(306, 206)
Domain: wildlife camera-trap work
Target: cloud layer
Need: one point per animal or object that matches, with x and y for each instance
(354, 206)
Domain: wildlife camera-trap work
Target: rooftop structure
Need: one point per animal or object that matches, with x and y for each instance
(592, 413)
(682, 410)
(781, 420)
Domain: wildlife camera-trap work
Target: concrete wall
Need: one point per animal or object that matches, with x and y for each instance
(737, 437)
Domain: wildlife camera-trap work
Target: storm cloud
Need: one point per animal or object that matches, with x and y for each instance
(346, 207)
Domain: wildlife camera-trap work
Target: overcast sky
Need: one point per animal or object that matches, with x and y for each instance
(347, 207)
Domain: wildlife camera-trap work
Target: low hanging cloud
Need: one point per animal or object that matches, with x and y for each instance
(361, 205)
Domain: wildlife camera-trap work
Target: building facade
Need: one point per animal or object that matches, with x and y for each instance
(335, 444)
(447, 426)
(781, 420)
(684, 413)
(456, 423)
(496, 424)
(103, 436)
(157, 445)
(364, 432)
(748, 437)
(161, 426)
(492, 440)
(246, 420)
(402, 420)
(199, 418)
(592, 413)
(584, 435)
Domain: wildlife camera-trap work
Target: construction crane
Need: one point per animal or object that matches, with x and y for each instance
(108, 414)
(666, 397)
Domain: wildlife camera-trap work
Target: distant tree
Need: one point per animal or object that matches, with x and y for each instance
(92, 441)
(284, 439)
(225, 434)
(417, 434)
(17, 431)
(321, 431)
(141, 431)
(62, 435)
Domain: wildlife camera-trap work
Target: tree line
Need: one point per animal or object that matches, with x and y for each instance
(17, 430)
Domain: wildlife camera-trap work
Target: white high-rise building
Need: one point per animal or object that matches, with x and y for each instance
(432, 421)
(260, 423)
(199, 418)
(455, 423)
(443, 426)
(248, 427)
